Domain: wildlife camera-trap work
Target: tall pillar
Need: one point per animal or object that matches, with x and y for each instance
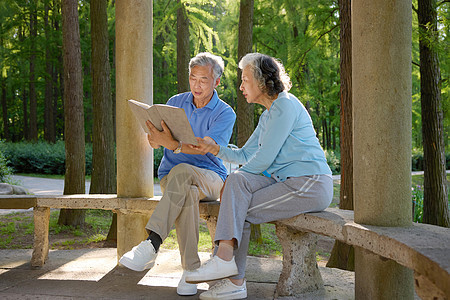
(381, 80)
(134, 80)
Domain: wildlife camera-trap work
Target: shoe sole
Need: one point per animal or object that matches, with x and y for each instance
(130, 265)
(187, 293)
(242, 295)
(200, 280)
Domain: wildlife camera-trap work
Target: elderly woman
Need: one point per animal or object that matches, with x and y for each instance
(284, 174)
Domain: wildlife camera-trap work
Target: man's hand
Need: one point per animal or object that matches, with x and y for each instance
(161, 138)
(152, 144)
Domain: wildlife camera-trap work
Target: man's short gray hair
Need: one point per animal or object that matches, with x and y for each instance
(205, 59)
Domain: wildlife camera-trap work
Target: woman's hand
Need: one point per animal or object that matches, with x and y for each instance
(206, 145)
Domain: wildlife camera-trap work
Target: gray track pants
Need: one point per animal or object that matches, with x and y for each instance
(249, 198)
(182, 189)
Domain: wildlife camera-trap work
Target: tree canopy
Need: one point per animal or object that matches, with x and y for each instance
(304, 35)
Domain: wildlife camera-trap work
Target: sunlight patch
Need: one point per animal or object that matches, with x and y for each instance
(90, 266)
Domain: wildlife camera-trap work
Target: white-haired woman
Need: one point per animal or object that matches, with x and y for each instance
(284, 173)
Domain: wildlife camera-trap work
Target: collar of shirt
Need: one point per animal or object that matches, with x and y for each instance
(211, 104)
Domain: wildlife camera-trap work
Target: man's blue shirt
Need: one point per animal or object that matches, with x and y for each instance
(215, 120)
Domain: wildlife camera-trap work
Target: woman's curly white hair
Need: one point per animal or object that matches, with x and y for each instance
(268, 72)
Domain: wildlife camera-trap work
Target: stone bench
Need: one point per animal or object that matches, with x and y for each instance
(209, 211)
(423, 248)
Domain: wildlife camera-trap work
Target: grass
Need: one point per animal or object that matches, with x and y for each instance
(204, 244)
(269, 248)
(17, 229)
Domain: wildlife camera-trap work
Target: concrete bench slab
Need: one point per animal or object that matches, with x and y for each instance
(17, 202)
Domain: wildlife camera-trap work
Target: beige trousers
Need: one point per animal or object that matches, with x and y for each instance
(182, 189)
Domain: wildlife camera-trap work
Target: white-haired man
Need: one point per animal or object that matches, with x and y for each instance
(186, 175)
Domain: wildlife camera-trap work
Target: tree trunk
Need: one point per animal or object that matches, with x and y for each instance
(183, 52)
(342, 255)
(4, 111)
(33, 100)
(346, 130)
(435, 201)
(74, 180)
(103, 179)
(58, 88)
(5, 134)
(26, 132)
(245, 111)
(49, 128)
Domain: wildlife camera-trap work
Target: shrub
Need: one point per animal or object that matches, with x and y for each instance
(417, 160)
(334, 161)
(5, 170)
(40, 157)
(46, 158)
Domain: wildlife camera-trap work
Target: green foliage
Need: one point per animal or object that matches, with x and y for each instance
(99, 219)
(157, 156)
(270, 247)
(8, 228)
(204, 17)
(5, 242)
(417, 160)
(12, 226)
(304, 35)
(417, 199)
(97, 226)
(40, 158)
(334, 161)
(5, 170)
(417, 196)
(204, 243)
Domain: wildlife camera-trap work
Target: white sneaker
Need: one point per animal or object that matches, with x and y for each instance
(225, 289)
(140, 258)
(213, 269)
(184, 288)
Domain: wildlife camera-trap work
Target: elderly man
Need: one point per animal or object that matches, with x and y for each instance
(186, 175)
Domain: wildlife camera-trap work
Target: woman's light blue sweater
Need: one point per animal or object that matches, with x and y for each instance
(284, 144)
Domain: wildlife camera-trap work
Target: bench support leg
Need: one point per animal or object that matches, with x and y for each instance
(377, 277)
(40, 247)
(300, 272)
(425, 289)
(130, 231)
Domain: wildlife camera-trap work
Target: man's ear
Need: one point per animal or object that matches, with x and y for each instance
(217, 82)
